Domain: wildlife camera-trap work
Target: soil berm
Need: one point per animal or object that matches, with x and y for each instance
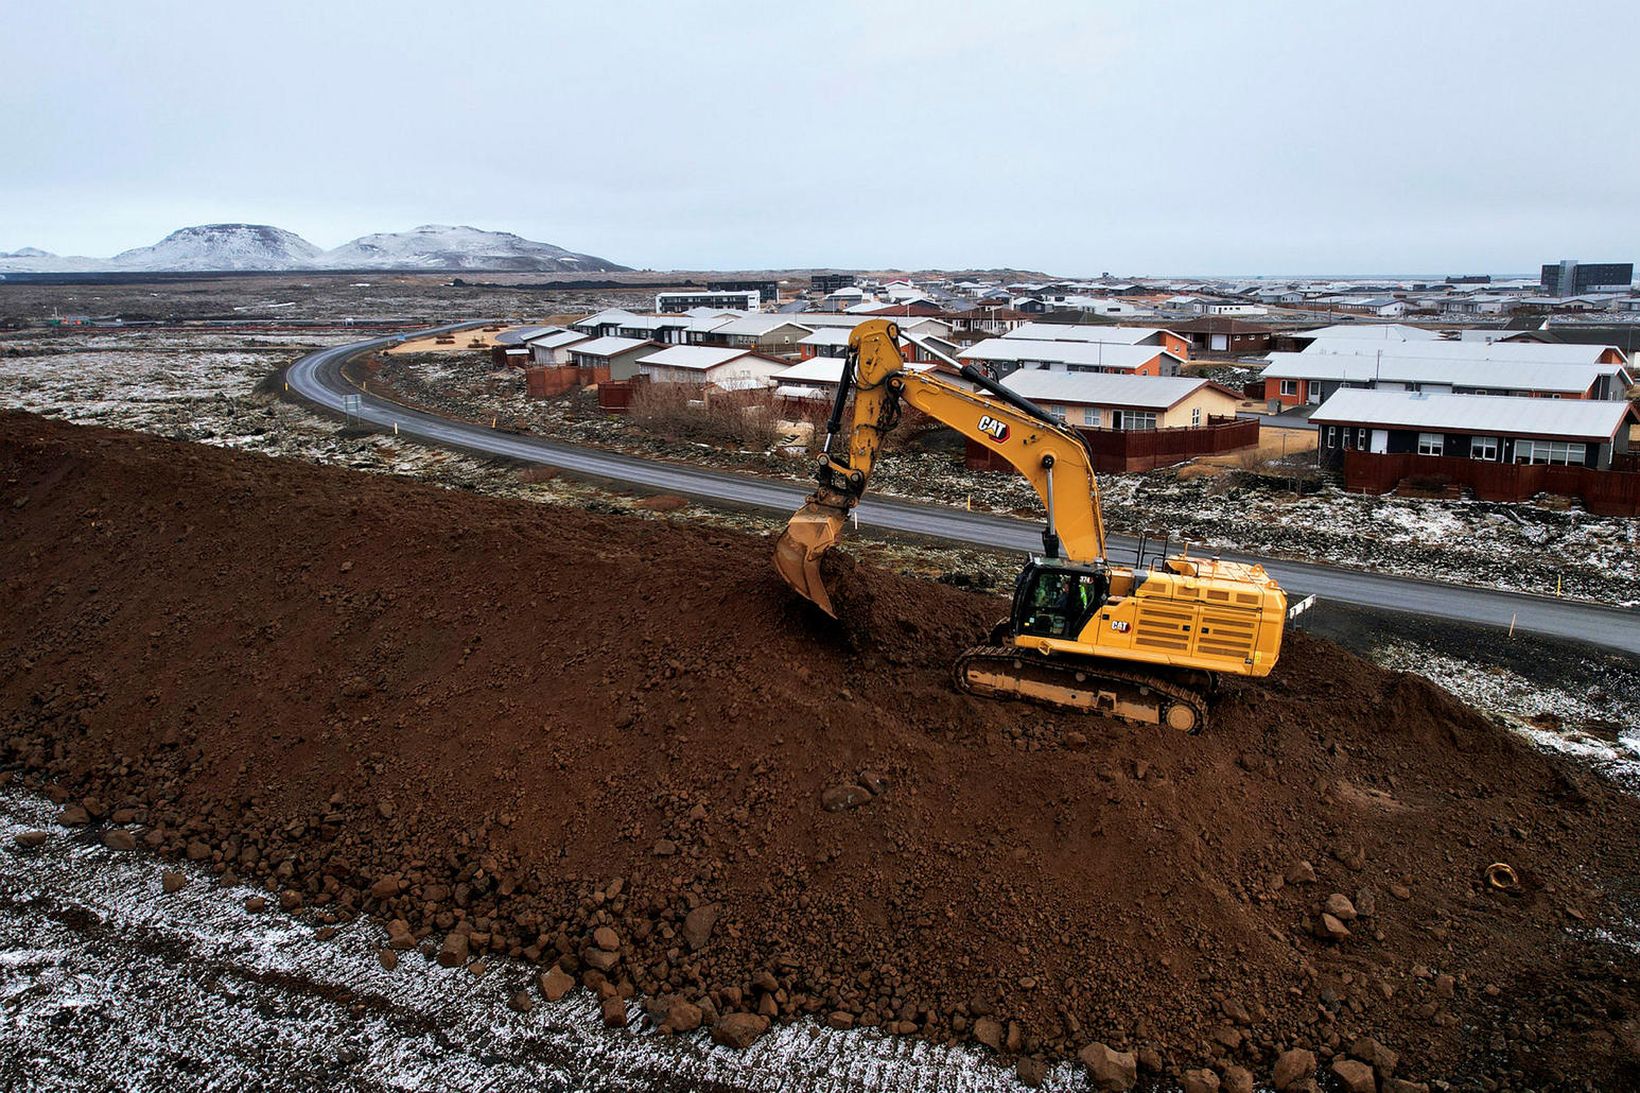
(619, 747)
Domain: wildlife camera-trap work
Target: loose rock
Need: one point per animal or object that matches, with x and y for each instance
(738, 1030)
(1293, 1066)
(1110, 1069)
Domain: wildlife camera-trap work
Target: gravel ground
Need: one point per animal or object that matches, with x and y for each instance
(107, 983)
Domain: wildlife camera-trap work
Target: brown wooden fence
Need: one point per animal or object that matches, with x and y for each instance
(546, 381)
(1117, 451)
(1606, 493)
(615, 396)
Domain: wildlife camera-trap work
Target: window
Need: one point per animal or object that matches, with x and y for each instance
(1133, 420)
(1431, 444)
(1484, 447)
(1361, 439)
(1090, 416)
(1289, 387)
(1195, 417)
(1057, 413)
(1332, 436)
(1565, 453)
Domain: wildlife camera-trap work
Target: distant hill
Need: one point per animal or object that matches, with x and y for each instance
(250, 247)
(222, 247)
(441, 246)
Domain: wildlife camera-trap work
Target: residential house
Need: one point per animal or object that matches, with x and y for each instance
(1565, 432)
(769, 333)
(619, 355)
(1218, 334)
(1004, 355)
(668, 303)
(1294, 379)
(725, 367)
(551, 346)
(1130, 402)
(1110, 335)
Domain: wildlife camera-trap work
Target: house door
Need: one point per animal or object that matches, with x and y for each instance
(1315, 394)
(1380, 441)
(1218, 343)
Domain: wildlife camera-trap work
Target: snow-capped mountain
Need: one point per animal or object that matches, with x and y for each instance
(222, 247)
(441, 246)
(219, 247)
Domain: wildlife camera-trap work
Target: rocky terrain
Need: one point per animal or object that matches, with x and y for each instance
(616, 753)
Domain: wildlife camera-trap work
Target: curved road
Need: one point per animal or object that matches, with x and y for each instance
(317, 377)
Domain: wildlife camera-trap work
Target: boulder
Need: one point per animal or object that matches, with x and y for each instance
(697, 925)
(1354, 1076)
(1338, 905)
(1201, 1081)
(988, 1031)
(1030, 1071)
(1237, 1079)
(455, 950)
(74, 816)
(606, 939)
(1292, 1067)
(119, 839)
(385, 888)
(839, 798)
(172, 881)
(738, 1030)
(28, 840)
(1328, 928)
(554, 983)
(614, 1012)
(1375, 1055)
(1110, 1069)
(681, 1016)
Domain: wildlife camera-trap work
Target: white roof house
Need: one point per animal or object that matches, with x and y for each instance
(1572, 419)
(1080, 332)
(1393, 369)
(1391, 332)
(610, 317)
(1064, 356)
(823, 372)
(1103, 389)
(727, 367)
(608, 347)
(554, 336)
(1548, 353)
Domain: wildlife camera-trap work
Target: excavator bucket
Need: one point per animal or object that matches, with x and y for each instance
(810, 533)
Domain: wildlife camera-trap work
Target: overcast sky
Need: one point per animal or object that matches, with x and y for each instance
(1070, 137)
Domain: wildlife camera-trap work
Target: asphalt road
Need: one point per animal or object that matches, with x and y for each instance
(317, 377)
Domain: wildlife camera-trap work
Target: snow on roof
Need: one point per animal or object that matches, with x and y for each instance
(1395, 368)
(699, 357)
(1577, 419)
(1098, 354)
(755, 325)
(609, 347)
(1548, 353)
(655, 322)
(1391, 332)
(554, 337)
(828, 335)
(1102, 388)
(607, 315)
(1079, 332)
(522, 334)
(825, 370)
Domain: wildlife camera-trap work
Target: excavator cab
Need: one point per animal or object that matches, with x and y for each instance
(1057, 600)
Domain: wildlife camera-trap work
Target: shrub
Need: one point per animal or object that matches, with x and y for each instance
(698, 412)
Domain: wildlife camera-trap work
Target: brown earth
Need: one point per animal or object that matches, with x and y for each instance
(619, 746)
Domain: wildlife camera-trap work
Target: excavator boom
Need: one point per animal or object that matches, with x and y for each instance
(1053, 459)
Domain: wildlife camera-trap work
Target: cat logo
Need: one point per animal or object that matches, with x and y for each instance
(991, 427)
(1121, 626)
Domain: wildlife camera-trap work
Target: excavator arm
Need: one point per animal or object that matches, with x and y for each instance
(1052, 458)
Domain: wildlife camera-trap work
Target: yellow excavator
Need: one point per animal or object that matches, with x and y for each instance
(1137, 642)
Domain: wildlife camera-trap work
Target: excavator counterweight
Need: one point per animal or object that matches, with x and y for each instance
(1132, 642)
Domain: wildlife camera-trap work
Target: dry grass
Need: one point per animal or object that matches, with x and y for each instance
(686, 411)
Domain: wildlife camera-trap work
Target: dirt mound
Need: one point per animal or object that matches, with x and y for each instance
(620, 747)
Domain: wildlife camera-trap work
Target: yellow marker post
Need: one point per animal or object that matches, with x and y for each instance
(1512, 619)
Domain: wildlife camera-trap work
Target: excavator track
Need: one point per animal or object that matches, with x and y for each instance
(1001, 671)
